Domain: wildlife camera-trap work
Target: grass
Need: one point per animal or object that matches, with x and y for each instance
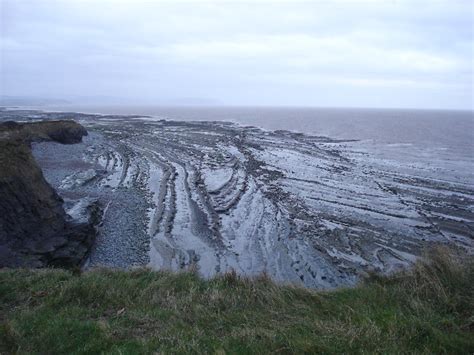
(427, 309)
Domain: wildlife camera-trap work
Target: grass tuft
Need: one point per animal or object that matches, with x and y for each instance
(426, 309)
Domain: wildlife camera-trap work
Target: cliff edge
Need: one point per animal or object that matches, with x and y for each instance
(35, 231)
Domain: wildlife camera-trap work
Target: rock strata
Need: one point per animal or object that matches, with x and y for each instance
(35, 231)
(217, 197)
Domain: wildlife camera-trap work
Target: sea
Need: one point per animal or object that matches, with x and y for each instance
(403, 134)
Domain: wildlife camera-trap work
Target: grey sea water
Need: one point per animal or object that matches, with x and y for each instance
(441, 134)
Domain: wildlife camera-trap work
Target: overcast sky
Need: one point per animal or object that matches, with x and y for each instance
(393, 53)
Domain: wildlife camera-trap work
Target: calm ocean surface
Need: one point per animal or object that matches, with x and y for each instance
(446, 134)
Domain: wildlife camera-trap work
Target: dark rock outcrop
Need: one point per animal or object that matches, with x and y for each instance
(35, 231)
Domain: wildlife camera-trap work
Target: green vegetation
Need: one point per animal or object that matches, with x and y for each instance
(428, 309)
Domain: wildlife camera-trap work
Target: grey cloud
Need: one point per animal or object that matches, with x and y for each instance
(325, 53)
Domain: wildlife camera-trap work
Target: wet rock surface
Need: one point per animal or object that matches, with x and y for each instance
(217, 196)
(35, 231)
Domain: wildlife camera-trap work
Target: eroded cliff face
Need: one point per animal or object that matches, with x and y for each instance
(35, 231)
